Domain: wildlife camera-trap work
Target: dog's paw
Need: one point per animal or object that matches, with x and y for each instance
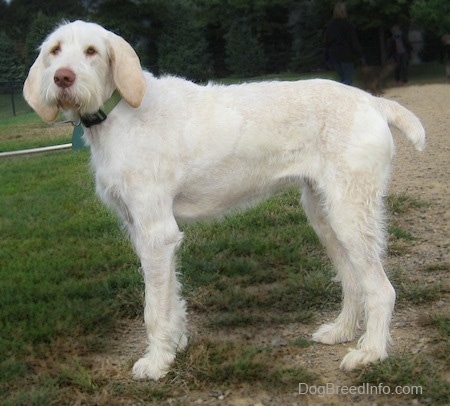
(182, 342)
(360, 358)
(155, 364)
(145, 368)
(333, 333)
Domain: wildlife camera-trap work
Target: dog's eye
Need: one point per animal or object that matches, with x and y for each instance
(91, 51)
(56, 50)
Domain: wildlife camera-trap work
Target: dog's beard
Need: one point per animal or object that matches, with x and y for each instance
(77, 99)
(66, 99)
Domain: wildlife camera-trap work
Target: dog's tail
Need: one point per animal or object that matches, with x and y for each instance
(401, 118)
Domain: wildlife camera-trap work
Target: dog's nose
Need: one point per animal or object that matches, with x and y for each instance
(64, 78)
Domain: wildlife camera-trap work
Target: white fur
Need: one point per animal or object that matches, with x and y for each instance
(188, 152)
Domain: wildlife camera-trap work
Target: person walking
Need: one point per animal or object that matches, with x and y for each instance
(341, 44)
(446, 43)
(399, 50)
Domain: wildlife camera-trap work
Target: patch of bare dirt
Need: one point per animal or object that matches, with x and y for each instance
(424, 176)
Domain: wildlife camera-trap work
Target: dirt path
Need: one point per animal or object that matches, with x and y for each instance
(424, 176)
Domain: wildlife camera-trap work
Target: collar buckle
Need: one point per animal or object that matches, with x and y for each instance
(89, 120)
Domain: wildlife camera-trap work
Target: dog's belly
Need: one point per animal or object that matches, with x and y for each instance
(216, 200)
(240, 181)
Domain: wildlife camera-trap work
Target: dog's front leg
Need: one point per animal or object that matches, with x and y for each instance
(165, 312)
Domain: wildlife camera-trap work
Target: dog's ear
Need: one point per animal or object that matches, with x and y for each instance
(33, 95)
(127, 70)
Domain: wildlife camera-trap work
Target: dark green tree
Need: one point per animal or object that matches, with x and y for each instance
(140, 22)
(306, 23)
(41, 27)
(245, 52)
(432, 15)
(374, 18)
(10, 68)
(124, 17)
(266, 28)
(20, 15)
(182, 47)
(205, 38)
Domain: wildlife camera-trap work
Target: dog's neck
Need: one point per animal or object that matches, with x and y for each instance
(88, 120)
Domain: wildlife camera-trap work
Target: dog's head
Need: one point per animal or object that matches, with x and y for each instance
(78, 67)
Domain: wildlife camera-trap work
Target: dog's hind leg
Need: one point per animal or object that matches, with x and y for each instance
(355, 214)
(344, 328)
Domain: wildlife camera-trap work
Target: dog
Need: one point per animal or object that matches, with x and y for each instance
(373, 77)
(171, 151)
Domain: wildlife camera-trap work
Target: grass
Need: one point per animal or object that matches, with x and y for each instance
(262, 261)
(401, 203)
(28, 131)
(53, 283)
(69, 279)
(413, 371)
(411, 292)
(400, 239)
(214, 362)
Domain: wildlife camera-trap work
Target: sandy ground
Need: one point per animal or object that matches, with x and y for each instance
(424, 176)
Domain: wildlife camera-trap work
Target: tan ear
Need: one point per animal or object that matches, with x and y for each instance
(32, 92)
(127, 70)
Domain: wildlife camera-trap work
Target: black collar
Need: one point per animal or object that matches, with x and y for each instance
(88, 120)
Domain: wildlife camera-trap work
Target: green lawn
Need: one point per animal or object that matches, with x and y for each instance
(29, 131)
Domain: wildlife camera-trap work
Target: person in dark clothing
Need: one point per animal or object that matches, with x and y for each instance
(399, 50)
(446, 43)
(342, 45)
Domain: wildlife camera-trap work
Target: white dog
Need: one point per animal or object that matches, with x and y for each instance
(171, 151)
